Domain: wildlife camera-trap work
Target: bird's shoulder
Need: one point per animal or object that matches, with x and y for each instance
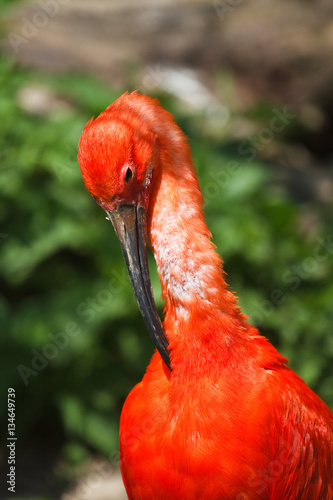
(299, 440)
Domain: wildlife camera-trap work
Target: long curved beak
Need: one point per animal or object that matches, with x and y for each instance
(130, 224)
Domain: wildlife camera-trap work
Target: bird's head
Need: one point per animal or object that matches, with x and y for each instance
(117, 156)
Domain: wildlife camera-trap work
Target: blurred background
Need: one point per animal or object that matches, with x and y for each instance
(251, 84)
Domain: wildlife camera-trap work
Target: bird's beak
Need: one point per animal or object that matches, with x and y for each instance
(130, 224)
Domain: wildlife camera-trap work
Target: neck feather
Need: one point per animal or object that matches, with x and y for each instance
(199, 308)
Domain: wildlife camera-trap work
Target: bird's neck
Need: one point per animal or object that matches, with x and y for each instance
(199, 308)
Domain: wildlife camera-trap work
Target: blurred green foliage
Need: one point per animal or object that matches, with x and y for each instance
(73, 343)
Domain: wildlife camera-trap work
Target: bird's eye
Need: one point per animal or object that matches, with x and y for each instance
(129, 174)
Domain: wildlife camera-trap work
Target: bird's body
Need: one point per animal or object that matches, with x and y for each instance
(255, 435)
(229, 421)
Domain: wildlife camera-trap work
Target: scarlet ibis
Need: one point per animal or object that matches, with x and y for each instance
(218, 414)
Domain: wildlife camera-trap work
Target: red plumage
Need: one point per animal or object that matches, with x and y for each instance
(230, 420)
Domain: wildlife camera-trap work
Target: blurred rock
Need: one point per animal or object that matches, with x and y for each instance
(279, 49)
(100, 481)
(41, 100)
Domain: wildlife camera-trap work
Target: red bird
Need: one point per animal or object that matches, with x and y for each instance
(218, 414)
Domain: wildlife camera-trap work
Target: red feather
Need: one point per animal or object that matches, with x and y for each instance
(231, 420)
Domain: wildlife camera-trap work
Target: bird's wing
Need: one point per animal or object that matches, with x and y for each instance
(302, 456)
